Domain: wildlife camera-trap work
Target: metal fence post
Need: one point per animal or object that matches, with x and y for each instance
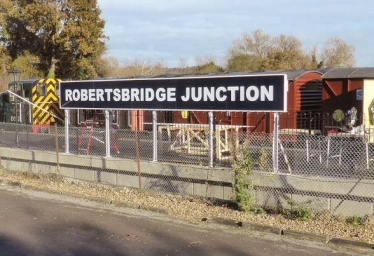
(67, 141)
(275, 143)
(57, 149)
(155, 133)
(211, 139)
(107, 134)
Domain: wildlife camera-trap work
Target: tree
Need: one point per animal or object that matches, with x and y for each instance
(65, 33)
(207, 68)
(244, 62)
(248, 52)
(29, 65)
(285, 54)
(108, 67)
(206, 65)
(4, 67)
(338, 54)
(138, 68)
(258, 50)
(257, 44)
(312, 59)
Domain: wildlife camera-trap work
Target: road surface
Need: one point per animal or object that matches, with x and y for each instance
(39, 223)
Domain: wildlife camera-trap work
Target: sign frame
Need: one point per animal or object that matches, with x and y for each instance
(236, 93)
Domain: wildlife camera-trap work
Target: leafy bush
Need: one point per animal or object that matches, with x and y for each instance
(263, 161)
(242, 168)
(299, 212)
(355, 220)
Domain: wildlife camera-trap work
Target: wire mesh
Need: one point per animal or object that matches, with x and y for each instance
(340, 164)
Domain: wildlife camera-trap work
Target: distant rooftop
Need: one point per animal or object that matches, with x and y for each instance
(337, 73)
(291, 74)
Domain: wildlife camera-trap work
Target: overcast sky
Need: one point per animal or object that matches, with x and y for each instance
(173, 30)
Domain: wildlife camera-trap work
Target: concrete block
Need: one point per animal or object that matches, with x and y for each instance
(174, 170)
(16, 166)
(81, 160)
(66, 172)
(45, 169)
(170, 186)
(347, 208)
(361, 188)
(106, 177)
(84, 174)
(228, 193)
(35, 168)
(215, 191)
(271, 199)
(6, 164)
(15, 153)
(119, 164)
(199, 189)
(221, 175)
(128, 180)
(317, 204)
(48, 157)
(319, 184)
(24, 166)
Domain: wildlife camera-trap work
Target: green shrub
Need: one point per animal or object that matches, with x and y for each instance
(263, 161)
(243, 191)
(299, 212)
(355, 220)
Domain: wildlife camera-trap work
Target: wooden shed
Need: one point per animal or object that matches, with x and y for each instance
(348, 98)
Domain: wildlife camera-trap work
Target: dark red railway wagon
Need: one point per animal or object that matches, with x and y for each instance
(304, 97)
(347, 98)
(201, 117)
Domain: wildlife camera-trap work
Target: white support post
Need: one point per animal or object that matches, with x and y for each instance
(307, 150)
(107, 134)
(211, 139)
(67, 141)
(78, 118)
(275, 143)
(155, 133)
(328, 151)
(367, 156)
(20, 117)
(30, 114)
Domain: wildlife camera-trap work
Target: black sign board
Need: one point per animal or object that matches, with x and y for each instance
(266, 93)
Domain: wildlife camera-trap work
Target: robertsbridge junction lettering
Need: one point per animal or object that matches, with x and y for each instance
(205, 93)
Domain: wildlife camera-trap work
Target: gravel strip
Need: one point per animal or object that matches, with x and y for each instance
(189, 208)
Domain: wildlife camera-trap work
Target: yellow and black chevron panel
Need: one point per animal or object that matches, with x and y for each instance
(44, 96)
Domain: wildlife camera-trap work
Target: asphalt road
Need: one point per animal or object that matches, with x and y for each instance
(39, 223)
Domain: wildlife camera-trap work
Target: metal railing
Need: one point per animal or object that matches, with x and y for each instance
(298, 151)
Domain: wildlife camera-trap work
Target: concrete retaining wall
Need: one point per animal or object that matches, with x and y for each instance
(346, 197)
(173, 178)
(343, 197)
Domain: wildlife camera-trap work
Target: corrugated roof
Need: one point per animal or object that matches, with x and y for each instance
(294, 74)
(291, 74)
(337, 73)
(24, 81)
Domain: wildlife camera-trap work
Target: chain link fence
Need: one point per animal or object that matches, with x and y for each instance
(331, 167)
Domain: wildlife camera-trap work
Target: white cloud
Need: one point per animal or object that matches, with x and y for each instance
(169, 30)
